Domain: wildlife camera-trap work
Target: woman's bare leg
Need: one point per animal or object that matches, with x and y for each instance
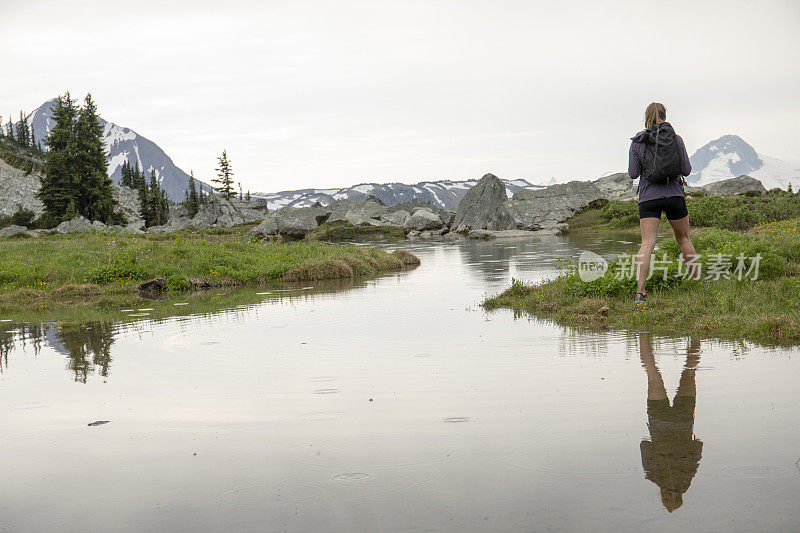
(649, 227)
(680, 228)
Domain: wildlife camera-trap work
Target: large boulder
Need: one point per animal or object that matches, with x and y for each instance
(267, 228)
(616, 186)
(535, 209)
(220, 212)
(298, 221)
(128, 202)
(424, 220)
(734, 186)
(76, 225)
(395, 218)
(363, 212)
(13, 230)
(484, 207)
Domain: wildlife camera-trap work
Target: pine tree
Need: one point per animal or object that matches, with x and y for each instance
(790, 189)
(58, 183)
(225, 178)
(95, 193)
(10, 127)
(144, 197)
(153, 200)
(192, 202)
(33, 138)
(241, 196)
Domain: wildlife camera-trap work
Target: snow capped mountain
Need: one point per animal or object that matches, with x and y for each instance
(730, 156)
(124, 144)
(442, 193)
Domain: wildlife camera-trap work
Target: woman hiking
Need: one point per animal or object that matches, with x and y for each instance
(659, 156)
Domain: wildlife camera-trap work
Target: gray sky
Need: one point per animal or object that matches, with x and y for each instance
(336, 93)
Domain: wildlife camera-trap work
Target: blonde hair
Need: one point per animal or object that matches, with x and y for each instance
(655, 114)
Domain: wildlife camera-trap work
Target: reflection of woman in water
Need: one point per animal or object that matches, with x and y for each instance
(671, 457)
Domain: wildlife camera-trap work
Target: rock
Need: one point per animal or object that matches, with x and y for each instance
(134, 227)
(423, 220)
(13, 230)
(98, 225)
(484, 207)
(298, 221)
(221, 212)
(616, 186)
(734, 186)
(76, 225)
(396, 218)
(412, 234)
(515, 233)
(267, 228)
(154, 286)
(448, 217)
(357, 212)
(128, 202)
(546, 208)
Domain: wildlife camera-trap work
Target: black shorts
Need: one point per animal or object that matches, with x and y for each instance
(673, 206)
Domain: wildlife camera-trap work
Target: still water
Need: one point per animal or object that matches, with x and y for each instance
(394, 404)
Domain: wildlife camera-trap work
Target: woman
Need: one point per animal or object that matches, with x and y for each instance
(659, 192)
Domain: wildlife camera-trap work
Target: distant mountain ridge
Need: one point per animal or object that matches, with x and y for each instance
(442, 193)
(124, 144)
(731, 156)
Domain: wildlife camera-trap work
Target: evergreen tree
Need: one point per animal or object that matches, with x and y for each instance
(58, 183)
(225, 176)
(95, 194)
(33, 138)
(127, 175)
(192, 202)
(10, 128)
(154, 201)
(790, 189)
(247, 196)
(144, 197)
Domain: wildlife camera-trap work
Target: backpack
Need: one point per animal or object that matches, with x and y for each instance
(662, 155)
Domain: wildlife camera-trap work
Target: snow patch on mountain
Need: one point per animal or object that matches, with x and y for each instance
(442, 193)
(124, 144)
(730, 156)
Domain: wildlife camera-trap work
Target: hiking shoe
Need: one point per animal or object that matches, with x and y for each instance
(640, 298)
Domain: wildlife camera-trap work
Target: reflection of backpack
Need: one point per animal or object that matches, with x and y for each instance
(662, 154)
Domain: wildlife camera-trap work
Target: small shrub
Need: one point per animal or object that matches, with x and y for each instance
(178, 282)
(22, 217)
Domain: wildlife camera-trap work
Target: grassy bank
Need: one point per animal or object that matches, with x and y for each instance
(99, 267)
(736, 213)
(766, 310)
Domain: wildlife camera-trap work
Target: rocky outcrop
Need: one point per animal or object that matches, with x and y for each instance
(617, 186)
(18, 189)
(365, 212)
(545, 208)
(221, 212)
(484, 207)
(735, 186)
(424, 220)
(298, 221)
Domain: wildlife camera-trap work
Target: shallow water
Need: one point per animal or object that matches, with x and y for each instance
(394, 404)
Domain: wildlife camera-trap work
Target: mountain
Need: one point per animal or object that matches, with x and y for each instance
(124, 144)
(730, 156)
(443, 193)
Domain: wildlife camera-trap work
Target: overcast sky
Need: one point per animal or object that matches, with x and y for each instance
(335, 93)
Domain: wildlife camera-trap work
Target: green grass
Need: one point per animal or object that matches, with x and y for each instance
(90, 267)
(766, 310)
(342, 230)
(736, 213)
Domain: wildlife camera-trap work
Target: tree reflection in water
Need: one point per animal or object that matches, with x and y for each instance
(86, 345)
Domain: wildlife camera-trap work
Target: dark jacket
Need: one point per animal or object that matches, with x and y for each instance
(652, 191)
